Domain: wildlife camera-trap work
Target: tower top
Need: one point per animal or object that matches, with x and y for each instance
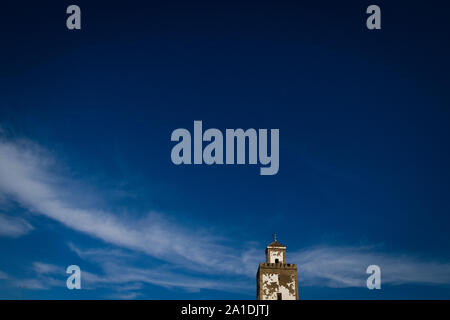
(275, 243)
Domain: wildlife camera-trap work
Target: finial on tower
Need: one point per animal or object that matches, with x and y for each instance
(274, 236)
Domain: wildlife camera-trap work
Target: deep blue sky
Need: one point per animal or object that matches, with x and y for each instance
(364, 127)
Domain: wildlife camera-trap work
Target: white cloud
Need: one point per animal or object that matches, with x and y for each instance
(13, 227)
(101, 255)
(45, 268)
(40, 282)
(123, 274)
(334, 266)
(43, 278)
(124, 279)
(125, 296)
(27, 175)
(325, 266)
(32, 284)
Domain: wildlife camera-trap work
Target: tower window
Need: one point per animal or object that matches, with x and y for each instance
(276, 260)
(279, 296)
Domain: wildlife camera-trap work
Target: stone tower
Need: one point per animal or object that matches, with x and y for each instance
(276, 279)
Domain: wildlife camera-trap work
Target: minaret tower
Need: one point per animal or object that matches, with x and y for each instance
(276, 279)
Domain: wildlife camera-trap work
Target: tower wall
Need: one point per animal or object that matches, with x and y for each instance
(274, 254)
(275, 279)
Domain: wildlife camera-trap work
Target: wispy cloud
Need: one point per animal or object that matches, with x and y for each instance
(26, 175)
(335, 266)
(125, 296)
(45, 277)
(27, 283)
(125, 280)
(324, 266)
(192, 259)
(13, 227)
(45, 268)
(32, 284)
(118, 271)
(32, 181)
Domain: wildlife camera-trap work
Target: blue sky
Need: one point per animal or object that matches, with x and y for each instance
(85, 170)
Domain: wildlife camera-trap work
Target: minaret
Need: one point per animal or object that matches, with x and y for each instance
(276, 279)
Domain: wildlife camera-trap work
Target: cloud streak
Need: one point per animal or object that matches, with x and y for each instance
(339, 267)
(13, 227)
(324, 266)
(28, 176)
(119, 271)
